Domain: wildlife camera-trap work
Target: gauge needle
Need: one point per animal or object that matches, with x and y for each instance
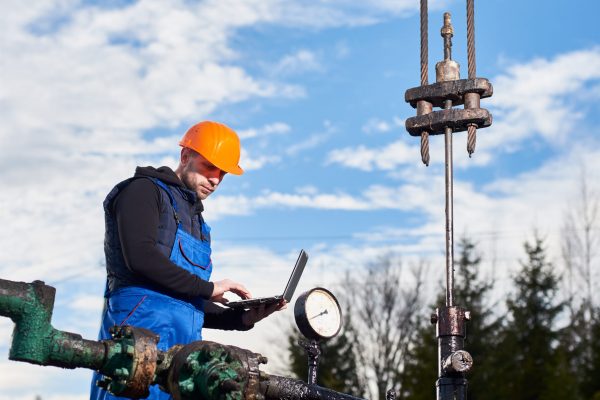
(319, 314)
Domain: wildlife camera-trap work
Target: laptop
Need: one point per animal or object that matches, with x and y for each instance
(287, 293)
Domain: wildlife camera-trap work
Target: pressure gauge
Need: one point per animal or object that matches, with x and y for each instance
(318, 314)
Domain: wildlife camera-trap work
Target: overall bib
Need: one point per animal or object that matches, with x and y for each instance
(176, 321)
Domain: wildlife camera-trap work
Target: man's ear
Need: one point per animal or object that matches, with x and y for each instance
(184, 156)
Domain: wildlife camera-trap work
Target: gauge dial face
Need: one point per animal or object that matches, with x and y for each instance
(323, 313)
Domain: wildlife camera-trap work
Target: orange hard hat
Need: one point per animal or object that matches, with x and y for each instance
(216, 142)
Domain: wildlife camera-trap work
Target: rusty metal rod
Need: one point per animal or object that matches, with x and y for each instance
(447, 33)
(449, 213)
(279, 387)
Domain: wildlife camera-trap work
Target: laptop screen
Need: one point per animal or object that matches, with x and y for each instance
(295, 277)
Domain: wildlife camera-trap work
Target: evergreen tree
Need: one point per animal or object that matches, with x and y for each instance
(338, 368)
(581, 236)
(590, 372)
(470, 292)
(528, 364)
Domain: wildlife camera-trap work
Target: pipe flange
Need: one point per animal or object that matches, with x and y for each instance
(132, 369)
(210, 370)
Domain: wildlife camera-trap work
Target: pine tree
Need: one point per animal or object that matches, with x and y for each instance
(528, 364)
(590, 384)
(472, 293)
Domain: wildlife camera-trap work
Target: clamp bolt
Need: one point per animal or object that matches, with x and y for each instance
(129, 349)
(115, 331)
(434, 318)
(187, 387)
(194, 364)
(104, 382)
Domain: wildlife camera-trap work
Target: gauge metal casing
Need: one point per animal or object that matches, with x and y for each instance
(318, 314)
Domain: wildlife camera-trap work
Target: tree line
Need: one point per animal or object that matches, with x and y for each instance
(540, 342)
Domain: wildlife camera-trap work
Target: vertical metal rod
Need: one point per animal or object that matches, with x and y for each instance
(449, 213)
(447, 35)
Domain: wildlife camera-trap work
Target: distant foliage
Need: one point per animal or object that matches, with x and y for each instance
(338, 369)
(382, 304)
(528, 359)
(543, 345)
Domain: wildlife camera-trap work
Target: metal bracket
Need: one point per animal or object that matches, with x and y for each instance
(455, 118)
(437, 93)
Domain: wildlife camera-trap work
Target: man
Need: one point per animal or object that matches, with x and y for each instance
(157, 247)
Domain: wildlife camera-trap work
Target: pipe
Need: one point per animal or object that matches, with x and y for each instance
(34, 340)
(280, 387)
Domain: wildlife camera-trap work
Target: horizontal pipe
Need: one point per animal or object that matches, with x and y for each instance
(280, 387)
(34, 340)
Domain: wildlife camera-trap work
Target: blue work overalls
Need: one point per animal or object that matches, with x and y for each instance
(177, 321)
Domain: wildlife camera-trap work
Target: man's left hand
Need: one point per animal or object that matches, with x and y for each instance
(253, 315)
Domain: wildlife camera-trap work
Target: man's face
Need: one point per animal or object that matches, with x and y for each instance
(199, 174)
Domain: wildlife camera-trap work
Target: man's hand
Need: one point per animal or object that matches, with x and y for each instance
(255, 314)
(227, 285)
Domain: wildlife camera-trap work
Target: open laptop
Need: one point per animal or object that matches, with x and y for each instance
(287, 293)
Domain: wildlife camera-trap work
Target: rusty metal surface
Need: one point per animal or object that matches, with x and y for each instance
(451, 321)
(70, 350)
(455, 118)
(130, 361)
(281, 388)
(436, 93)
(208, 370)
(144, 362)
(447, 71)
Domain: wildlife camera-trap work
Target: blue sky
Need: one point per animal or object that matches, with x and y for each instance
(316, 91)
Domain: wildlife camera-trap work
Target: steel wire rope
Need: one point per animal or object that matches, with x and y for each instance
(424, 76)
(472, 128)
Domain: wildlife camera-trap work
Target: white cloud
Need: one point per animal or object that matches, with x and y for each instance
(276, 128)
(540, 98)
(50, 383)
(374, 197)
(76, 102)
(249, 163)
(535, 99)
(82, 84)
(297, 63)
(86, 303)
(313, 140)
(376, 125)
(386, 158)
(507, 209)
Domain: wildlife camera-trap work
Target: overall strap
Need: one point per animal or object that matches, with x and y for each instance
(166, 188)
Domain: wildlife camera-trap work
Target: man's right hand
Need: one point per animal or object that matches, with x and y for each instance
(227, 285)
